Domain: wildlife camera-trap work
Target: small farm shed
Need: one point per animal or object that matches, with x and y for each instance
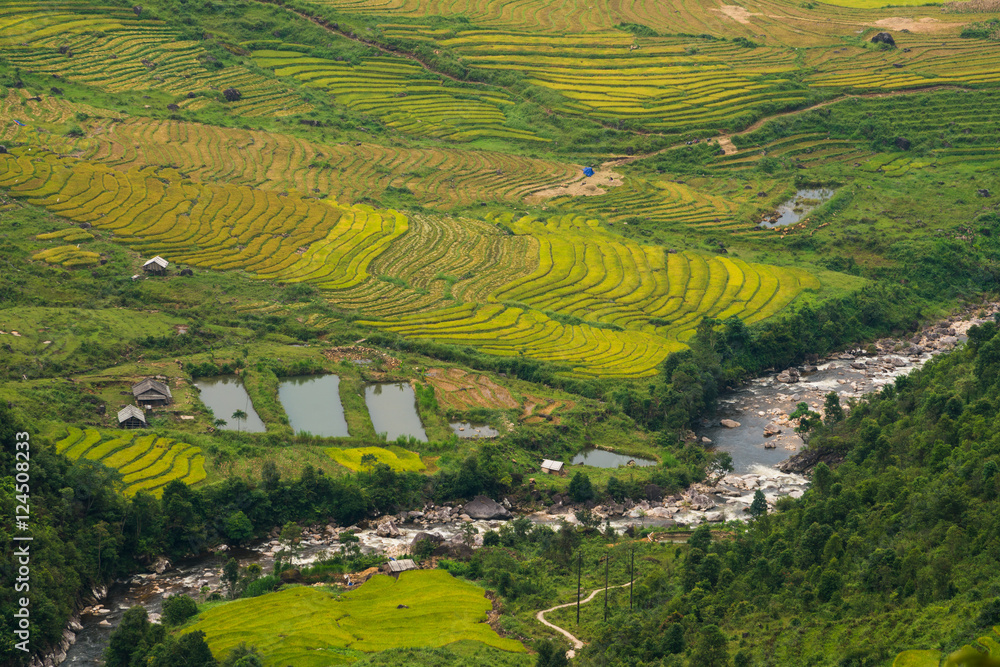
(131, 417)
(152, 392)
(156, 266)
(550, 467)
(397, 566)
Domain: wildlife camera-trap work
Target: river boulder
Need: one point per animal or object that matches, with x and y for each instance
(486, 508)
(730, 423)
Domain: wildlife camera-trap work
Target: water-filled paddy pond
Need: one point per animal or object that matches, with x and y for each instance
(600, 458)
(224, 395)
(393, 409)
(469, 430)
(312, 403)
(798, 207)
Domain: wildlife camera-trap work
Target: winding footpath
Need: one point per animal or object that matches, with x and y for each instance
(577, 644)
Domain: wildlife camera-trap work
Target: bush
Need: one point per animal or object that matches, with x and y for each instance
(262, 586)
(178, 608)
(580, 488)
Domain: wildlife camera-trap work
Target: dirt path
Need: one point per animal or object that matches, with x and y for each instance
(577, 644)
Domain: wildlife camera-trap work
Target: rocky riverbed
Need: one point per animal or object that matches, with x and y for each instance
(753, 425)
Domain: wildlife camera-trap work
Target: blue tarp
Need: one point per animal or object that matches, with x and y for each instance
(19, 122)
(588, 171)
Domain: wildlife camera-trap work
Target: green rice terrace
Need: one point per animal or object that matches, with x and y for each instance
(296, 292)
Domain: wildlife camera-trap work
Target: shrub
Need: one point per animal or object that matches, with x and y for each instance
(178, 608)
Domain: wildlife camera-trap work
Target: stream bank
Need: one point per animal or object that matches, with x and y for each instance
(762, 405)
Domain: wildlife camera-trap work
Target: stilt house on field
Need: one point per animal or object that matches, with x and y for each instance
(396, 567)
(152, 392)
(131, 417)
(550, 467)
(156, 266)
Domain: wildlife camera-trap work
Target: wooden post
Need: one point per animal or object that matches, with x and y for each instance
(607, 560)
(579, 569)
(631, 579)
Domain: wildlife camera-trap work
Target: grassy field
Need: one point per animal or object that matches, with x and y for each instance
(146, 462)
(319, 628)
(396, 458)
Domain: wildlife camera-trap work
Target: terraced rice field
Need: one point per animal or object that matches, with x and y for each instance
(403, 95)
(456, 389)
(928, 60)
(397, 458)
(290, 238)
(437, 177)
(777, 21)
(602, 305)
(27, 107)
(439, 263)
(116, 51)
(668, 84)
(146, 462)
(661, 201)
(67, 255)
(319, 629)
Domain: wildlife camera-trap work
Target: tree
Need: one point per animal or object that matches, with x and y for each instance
(178, 608)
(743, 658)
(580, 488)
(469, 533)
(711, 649)
(832, 412)
(808, 420)
(551, 654)
(243, 656)
(239, 416)
(616, 489)
(673, 639)
(231, 576)
(369, 461)
(270, 476)
(291, 533)
(758, 507)
(126, 638)
(188, 650)
(219, 423)
(829, 584)
(238, 528)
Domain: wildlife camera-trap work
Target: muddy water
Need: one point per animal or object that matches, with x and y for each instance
(469, 430)
(393, 409)
(313, 405)
(224, 395)
(797, 208)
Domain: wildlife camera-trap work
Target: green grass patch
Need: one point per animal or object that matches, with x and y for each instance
(310, 627)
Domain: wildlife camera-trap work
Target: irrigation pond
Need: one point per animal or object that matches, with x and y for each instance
(393, 409)
(224, 395)
(312, 403)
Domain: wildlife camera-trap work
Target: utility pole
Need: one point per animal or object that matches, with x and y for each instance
(579, 568)
(631, 579)
(607, 559)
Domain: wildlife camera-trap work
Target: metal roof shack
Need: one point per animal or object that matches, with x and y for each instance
(152, 392)
(397, 566)
(551, 467)
(157, 266)
(131, 417)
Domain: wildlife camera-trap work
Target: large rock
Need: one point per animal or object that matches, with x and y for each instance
(431, 537)
(730, 423)
(884, 38)
(771, 429)
(387, 529)
(160, 565)
(486, 508)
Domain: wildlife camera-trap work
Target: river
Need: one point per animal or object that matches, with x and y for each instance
(762, 402)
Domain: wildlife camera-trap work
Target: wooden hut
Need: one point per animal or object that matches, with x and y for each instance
(156, 266)
(396, 567)
(550, 467)
(152, 392)
(131, 417)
